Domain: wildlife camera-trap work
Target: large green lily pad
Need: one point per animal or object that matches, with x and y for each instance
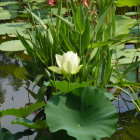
(124, 56)
(13, 28)
(85, 113)
(5, 14)
(39, 124)
(124, 24)
(14, 45)
(129, 3)
(10, 5)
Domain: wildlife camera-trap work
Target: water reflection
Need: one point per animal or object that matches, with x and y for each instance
(7, 68)
(12, 93)
(2, 92)
(129, 126)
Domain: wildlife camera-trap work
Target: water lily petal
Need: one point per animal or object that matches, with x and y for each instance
(65, 57)
(72, 57)
(59, 60)
(55, 69)
(75, 60)
(64, 67)
(69, 67)
(77, 69)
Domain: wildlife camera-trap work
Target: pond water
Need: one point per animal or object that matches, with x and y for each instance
(14, 95)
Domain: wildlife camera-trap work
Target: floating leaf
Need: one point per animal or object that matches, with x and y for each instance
(123, 55)
(12, 28)
(84, 113)
(4, 14)
(14, 45)
(23, 111)
(131, 13)
(129, 3)
(124, 24)
(135, 30)
(39, 124)
(7, 3)
(10, 5)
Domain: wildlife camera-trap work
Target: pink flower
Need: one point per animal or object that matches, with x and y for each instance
(85, 3)
(51, 2)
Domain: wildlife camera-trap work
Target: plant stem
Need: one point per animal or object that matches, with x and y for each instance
(135, 104)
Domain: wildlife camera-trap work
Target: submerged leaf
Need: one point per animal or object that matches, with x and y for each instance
(131, 131)
(20, 73)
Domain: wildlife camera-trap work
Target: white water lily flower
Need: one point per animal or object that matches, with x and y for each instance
(68, 63)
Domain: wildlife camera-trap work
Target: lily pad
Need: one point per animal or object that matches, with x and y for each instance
(124, 24)
(14, 45)
(85, 113)
(12, 28)
(124, 56)
(39, 124)
(4, 14)
(135, 30)
(7, 3)
(23, 111)
(10, 5)
(129, 3)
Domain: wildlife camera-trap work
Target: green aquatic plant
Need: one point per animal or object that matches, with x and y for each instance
(85, 113)
(84, 43)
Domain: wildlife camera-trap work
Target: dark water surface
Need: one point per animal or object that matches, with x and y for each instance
(14, 95)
